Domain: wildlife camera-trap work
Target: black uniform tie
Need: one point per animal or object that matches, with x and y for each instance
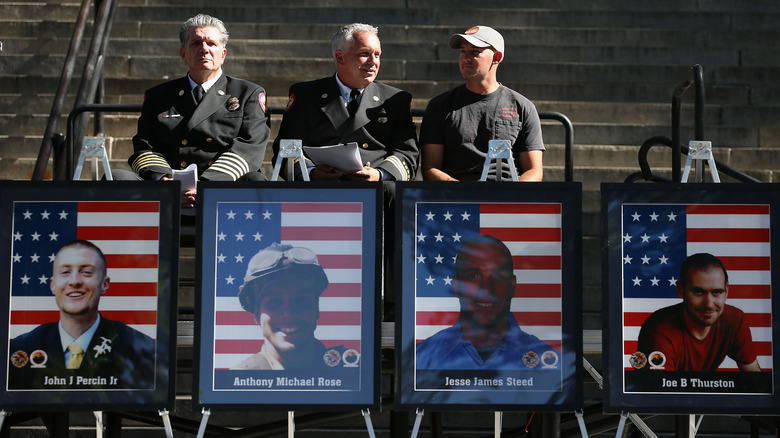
(198, 91)
(352, 106)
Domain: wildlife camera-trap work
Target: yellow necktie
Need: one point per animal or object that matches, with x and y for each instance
(76, 355)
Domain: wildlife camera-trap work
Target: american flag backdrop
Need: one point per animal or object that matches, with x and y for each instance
(531, 231)
(332, 230)
(126, 231)
(656, 239)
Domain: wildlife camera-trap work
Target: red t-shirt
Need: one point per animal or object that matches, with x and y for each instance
(665, 331)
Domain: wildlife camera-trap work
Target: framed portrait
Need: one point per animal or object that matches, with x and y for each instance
(688, 275)
(490, 296)
(90, 320)
(289, 281)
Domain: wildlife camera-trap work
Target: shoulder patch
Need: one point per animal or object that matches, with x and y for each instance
(290, 103)
(261, 99)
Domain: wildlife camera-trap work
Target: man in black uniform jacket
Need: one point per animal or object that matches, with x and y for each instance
(84, 350)
(320, 113)
(217, 122)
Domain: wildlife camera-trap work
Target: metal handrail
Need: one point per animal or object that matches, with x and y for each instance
(70, 139)
(568, 128)
(695, 75)
(59, 98)
(90, 81)
(63, 165)
(93, 68)
(647, 174)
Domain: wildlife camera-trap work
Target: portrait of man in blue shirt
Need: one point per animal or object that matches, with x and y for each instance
(486, 335)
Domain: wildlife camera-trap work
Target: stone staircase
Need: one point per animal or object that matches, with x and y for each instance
(609, 66)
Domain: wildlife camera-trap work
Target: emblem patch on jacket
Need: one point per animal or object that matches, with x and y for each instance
(290, 103)
(261, 99)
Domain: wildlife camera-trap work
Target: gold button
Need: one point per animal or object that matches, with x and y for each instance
(184, 142)
(365, 145)
(211, 163)
(183, 164)
(209, 140)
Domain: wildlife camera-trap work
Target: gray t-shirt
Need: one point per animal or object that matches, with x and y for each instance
(464, 122)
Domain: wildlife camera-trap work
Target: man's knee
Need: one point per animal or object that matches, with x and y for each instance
(254, 176)
(125, 175)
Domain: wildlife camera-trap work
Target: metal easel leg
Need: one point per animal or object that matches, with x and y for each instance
(498, 424)
(633, 417)
(203, 422)
(700, 151)
(293, 151)
(621, 424)
(166, 422)
(369, 425)
(3, 414)
(499, 150)
(581, 422)
(290, 424)
(98, 423)
(93, 147)
(416, 428)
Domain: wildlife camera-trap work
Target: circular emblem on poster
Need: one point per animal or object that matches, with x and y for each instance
(351, 358)
(38, 359)
(657, 360)
(332, 358)
(531, 359)
(19, 359)
(549, 359)
(638, 360)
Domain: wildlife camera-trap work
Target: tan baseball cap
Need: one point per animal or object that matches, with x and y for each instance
(277, 260)
(479, 36)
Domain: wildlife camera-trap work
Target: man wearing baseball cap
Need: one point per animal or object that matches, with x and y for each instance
(282, 288)
(459, 123)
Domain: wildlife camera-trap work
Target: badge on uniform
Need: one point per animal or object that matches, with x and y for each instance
(232, 104)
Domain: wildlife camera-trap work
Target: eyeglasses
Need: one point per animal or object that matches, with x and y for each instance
(280, 255)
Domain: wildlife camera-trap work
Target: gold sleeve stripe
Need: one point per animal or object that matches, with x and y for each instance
(148, 159)
(398, 164)
(231, 164)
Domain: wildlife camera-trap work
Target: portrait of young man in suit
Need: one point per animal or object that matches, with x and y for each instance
(83, 350)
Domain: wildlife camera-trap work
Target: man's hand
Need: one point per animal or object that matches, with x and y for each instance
(325, 173)
(187, 198)
(364, 174)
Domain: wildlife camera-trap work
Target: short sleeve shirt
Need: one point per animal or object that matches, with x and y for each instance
(665, 331)
(464, 122)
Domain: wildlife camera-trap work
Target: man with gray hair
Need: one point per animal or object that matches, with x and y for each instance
(351, 106)
(216, 122)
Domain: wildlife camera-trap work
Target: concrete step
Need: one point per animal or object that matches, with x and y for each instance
(131, 89)
(395, 12)
(608, 18)
(416, 47)
(563, 72)
(660, 5)
(399, 69)
(439, 34)
(528, 51)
